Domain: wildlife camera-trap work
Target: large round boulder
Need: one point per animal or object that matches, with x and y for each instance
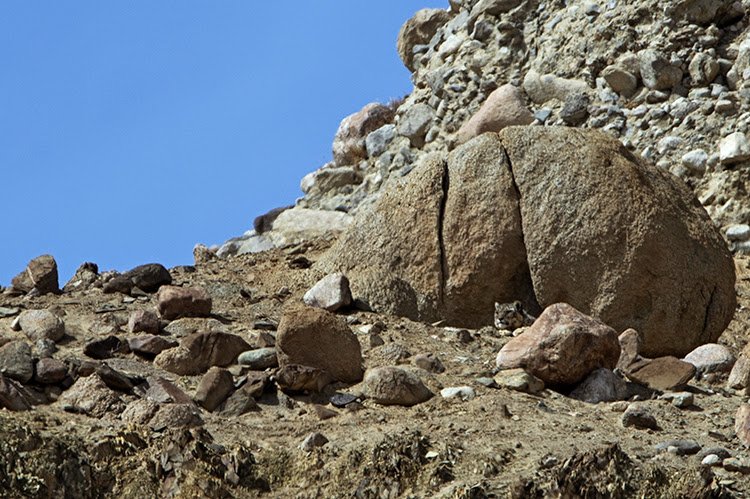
(543, 215)
(419, 30)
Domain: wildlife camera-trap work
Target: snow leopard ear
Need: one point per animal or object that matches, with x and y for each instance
(518, 306)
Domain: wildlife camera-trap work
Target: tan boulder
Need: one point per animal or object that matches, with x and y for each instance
(175, 302)
(662, 373)
(200, 351)
(349, 142)
(562, 347)
(315, 338)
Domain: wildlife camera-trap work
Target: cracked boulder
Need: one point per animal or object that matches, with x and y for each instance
(543, 215)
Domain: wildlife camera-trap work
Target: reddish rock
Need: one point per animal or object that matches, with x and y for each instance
(562, 347)
(504, 107)
(349, 142)
(742, 424)
(143, 321)
(663, 373)
(200, 351)
(313, 337)
(150, 345)
(40, 274)
(214, 388)
(175, 302)
(50, 371)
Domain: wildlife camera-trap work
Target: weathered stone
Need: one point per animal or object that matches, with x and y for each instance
(682, 400)
(638, 416)
(562, 346)
(86, 275)
(503, 107)
(739, 377)
(91, 396)
(682, 447)
(40, 274)
(662, 373)
(330, 293)
(415, 122)
(657, 72)
(175, 302)
(176, 416)
(298, 378)
(630, 346)
(742, 424)
(41, 324)
(738, 232)
(602, 266)
(734, 148)
(163, 391)
(620, 80)
(458, 392)
(312, 441)
(259, 358)
(419, 30)
(395, 386)
(149, 277)
(16, 361)
(710, 358)
(349, 142)
(429, 362)
(543, 88)
(602, 385)
(12, 395)
(238, 403)
(697, 11)
(695, 160)
(560, 201)
(200, 351)
(215, 386)
(105, 348)
(703, 69)
(143, 321)
(139, 411)
(50, 371)
(316, 338)
(519, 380)
(377, 142)
(576, 109)
(150, 345)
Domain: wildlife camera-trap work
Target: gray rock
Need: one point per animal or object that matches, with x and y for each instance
(9, 312)
(90, 395)
(576, 109)
(695, 160)
(734, 148)
(519, 380)
(50, 371)
(16, 361)
(682, 400)
(602, 385)
(429, 362)
(657, 71)
(738, 232)
(710, 358)
(41, 324)
(415, 122)
(458, 392)
(259, 359)
(703, 69)
(176, 416)
(543, 88)
(390, 385)
(12, 395)
(349, 146)
(639, 417)
(330, 293)
(163, 391)
(377, 142)
(679, 447)
(620, 80)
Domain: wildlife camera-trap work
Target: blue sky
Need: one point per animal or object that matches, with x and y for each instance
(132, 130)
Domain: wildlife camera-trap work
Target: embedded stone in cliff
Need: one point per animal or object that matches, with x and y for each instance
(40, 274)
(562, 347)
(504, 107)
(315, 338)
(349, 143)
(419, 30)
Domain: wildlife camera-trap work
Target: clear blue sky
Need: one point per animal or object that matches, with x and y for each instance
(132, 130)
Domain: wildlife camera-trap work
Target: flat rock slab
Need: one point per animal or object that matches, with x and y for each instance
(663, 373)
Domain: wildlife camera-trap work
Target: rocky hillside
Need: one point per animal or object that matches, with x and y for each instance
(526, 279)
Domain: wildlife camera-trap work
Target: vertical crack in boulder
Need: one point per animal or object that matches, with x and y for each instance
(441, 239)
